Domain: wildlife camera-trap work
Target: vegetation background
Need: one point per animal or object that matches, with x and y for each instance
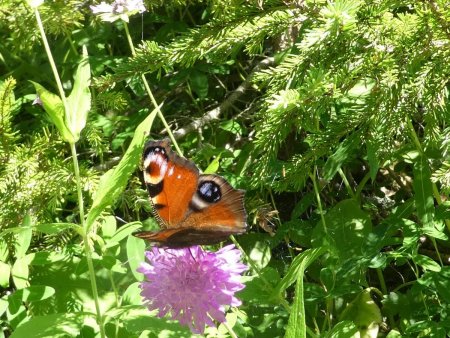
(332, 115)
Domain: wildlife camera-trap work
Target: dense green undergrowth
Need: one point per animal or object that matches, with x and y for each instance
(333, 116)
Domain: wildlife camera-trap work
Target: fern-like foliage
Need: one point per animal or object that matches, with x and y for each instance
(7, 108)
(352, 79)
(215, 41)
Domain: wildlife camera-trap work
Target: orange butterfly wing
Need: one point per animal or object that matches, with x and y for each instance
(190, 208)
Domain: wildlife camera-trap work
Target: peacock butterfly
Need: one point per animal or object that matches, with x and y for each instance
(191, 208)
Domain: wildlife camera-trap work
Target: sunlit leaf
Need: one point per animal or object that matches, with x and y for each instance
(54, 107)
(297, 320)
(135, 255)
(53, 325)
(79, 100)
(114, 180)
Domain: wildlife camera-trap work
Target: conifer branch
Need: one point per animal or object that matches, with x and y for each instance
(215, 113)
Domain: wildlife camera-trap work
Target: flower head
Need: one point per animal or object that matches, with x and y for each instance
(119, 9)
(192, 285)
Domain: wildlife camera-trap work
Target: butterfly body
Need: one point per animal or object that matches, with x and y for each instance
(190, 207)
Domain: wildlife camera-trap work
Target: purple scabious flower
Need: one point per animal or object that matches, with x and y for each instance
(192, 285)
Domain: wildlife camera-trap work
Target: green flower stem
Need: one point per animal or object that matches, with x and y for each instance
(319, 202)
(85, 235)
(50, 59)
(150, 94)
(346, 183)
(230, 330)
(77, 176)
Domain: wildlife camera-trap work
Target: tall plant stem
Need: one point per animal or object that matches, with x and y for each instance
(85, 235)
(150, 94)
(50, 59)
(83, 231)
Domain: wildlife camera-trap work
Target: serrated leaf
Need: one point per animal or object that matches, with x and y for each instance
(79, 100)
(115, 180)
(54, 108)
(426, 263)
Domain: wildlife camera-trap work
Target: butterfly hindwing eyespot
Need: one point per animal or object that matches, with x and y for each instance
(209, 191)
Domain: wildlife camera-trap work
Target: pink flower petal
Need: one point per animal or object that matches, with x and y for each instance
(193, 285)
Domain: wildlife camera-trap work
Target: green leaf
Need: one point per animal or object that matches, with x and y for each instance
(115, 180)
(296, 327)
(257, 291)
(109, 227)
(23, 237)
(344, 329)
(213, 166)
(54, 228)
(54, 325)
(373, 160)
(79, 100)
(347, 230)
(306, 201)
(20, 273)
(45, 257)
(260, 254)
(426, 263)
(138, 320)
(342, 154)
(199, 83)
(135, 255)
(423, 192)
(124, 231)
(132, 295)
(33, 293)
(364, 312)
(5, 272)
(54, 108)
(4, 251)
(293, 271)
(443, 211)
(3, 305)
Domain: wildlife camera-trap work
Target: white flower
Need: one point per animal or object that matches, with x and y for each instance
(119, 9)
